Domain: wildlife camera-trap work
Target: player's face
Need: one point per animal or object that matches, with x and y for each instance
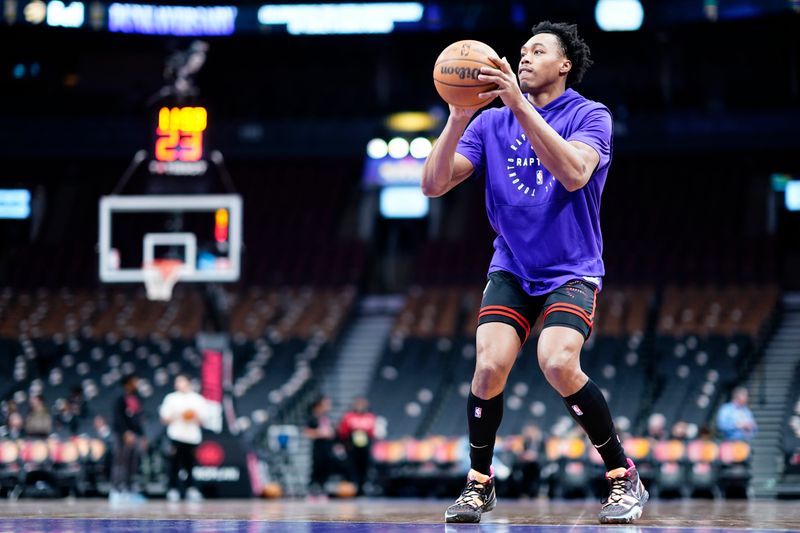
(541, 63)
(182, 384)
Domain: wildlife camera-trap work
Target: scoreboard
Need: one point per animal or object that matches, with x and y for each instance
(179, 142)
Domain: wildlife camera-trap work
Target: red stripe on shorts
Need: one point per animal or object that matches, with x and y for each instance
(578, 308)
(523, 321)
(579, 313)
(509, 315)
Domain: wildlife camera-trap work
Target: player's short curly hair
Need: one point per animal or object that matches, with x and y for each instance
(572, 46)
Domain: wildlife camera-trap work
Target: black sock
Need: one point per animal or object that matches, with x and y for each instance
(589, 408)
(483, 418)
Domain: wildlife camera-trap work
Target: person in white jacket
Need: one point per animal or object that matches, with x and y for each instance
(183, 412)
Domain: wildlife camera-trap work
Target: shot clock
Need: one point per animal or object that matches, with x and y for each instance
(179, 139)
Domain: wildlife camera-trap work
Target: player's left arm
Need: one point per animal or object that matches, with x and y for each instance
(571, 162)
(165, 412)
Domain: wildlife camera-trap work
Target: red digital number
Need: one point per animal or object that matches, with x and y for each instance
(167, 144)
(180, 134)
(191, 146)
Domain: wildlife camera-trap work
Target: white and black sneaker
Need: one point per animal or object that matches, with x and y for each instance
(477, 497)
(626, 497)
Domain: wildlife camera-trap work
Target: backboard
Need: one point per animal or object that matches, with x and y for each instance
(202, 231)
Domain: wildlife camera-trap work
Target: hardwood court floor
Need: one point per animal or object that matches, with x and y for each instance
(372, 515)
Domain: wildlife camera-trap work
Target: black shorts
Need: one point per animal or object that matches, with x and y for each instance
(572, 305)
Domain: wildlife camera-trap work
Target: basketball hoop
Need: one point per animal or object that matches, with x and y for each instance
(160, 276)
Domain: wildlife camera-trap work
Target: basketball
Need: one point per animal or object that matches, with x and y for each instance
(455, 74)
(272, 490)
(345, 489)
(189, 415)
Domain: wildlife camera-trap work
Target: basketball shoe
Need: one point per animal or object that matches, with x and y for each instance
(626, 497)
(476, 498)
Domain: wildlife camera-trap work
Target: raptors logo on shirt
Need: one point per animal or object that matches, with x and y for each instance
(520, 170)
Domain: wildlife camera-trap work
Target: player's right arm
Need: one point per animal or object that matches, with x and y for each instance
(445, 168)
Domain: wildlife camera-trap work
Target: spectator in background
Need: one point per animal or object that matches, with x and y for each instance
(78, 405)
(183, 412)
(101, 430)
(14, 427)
(657, 427)
(704, 433)
(735, 420)
(6, 408)
(319, 429)
(66, 421)
(682, 430)
(38, 423)
(129, 442)
(357, 431)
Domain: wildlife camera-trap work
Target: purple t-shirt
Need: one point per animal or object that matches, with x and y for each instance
(546, 235)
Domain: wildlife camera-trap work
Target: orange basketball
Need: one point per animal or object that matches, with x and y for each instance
(345, 489)
(189, 415)
(455, 73)
(272, 490)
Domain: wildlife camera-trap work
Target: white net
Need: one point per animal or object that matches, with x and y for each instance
(160, 276)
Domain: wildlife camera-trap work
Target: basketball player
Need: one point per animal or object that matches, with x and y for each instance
(129, 442)
(183, 412)
(545, 155)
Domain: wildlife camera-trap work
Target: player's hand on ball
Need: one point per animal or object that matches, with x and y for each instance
(507, 87)
(462, 112)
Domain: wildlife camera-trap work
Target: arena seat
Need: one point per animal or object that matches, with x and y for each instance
(390, 452)
(419, 452)
(703, 456)
(54, 466)
(66, 466)
(449, 452)
(671, 474)
(36, 472)
(734, 472)
(9, 465)
(571, 475)
(640, 450)
(637, 448)
(34, 454)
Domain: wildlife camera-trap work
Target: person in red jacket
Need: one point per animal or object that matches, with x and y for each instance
(357, 431)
